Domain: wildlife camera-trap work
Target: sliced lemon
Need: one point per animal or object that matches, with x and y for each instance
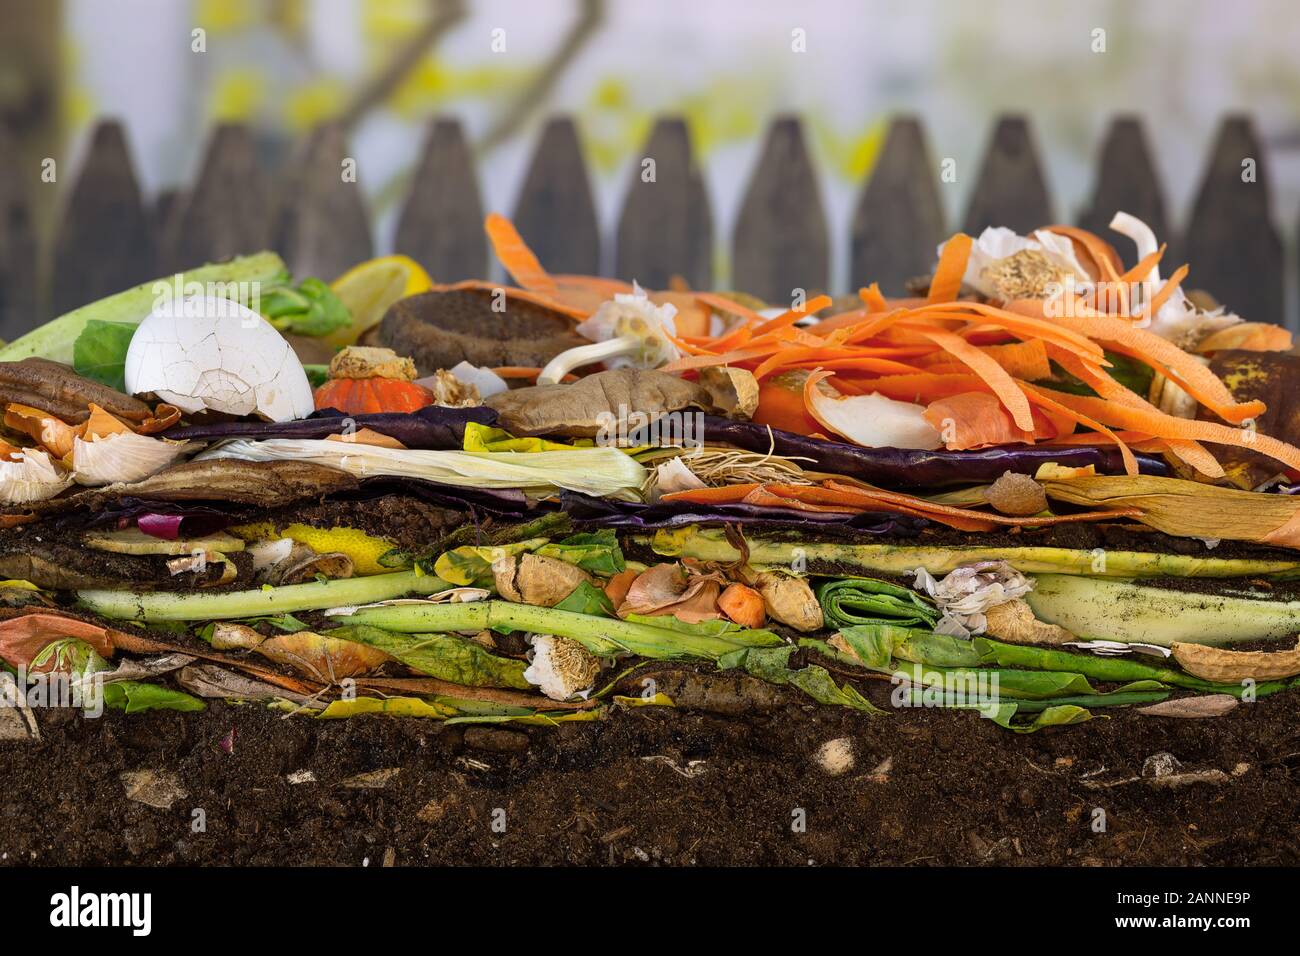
(370, 288)
(365, 550)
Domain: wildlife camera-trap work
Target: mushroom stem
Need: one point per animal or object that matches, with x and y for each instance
(570, 359)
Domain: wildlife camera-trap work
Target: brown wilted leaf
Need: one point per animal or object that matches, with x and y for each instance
(1205, 705)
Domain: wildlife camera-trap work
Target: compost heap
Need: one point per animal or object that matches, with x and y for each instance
(1049, 483)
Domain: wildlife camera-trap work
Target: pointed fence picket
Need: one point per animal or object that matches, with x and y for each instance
(108, 236)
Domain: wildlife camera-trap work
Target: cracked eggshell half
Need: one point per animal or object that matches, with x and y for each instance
(205, 352)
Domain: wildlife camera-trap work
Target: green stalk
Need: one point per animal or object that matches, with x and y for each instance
(198, 606)
(918, 698)
(1105, 668)
(600, 635)
(1125, 611)
(54, 339)
(837, 559)
(1117, 699)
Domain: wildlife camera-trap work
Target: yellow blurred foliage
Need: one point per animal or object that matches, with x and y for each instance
(386, 20)
(853, 156)
(313, 103)
(723, 112)
(225, 16)
(76, 104)
(236, 95)
(433, 82)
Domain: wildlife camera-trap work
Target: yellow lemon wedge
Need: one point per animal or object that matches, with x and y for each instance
(366, 551)
(368, 289)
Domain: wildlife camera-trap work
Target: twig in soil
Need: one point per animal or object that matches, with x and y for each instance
(613, 835)
(692, 769)
(1043, 770)
(1277, 761)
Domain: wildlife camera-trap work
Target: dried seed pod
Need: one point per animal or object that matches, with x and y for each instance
(734, 390)
(1231, 667)
(533, 579)
(303, 564)
(322, 658)
(1017, 495)
(1014, 622)
(234, 637)
(788, 599)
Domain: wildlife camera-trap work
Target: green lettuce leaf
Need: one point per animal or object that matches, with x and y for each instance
(586, 598)
(445, 656)
(595, 552)
(134, 696)
(99, 352)
(309, 309)
(772, 664)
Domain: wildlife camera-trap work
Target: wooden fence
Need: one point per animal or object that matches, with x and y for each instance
(109, 235)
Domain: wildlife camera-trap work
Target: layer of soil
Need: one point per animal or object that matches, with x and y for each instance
(654, 786)
(406, 521)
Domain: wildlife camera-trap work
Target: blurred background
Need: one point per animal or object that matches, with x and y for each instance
(386, 67)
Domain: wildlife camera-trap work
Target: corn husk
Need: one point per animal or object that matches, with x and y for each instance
(593, 471)
(1189, 509)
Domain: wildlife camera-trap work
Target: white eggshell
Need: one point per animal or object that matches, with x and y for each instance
(208, 352)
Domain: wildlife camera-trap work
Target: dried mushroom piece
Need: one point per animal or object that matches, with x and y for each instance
(55, 388)
(622, 400)
(441, 329)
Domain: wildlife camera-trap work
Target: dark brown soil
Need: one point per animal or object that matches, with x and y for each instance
(652, 785)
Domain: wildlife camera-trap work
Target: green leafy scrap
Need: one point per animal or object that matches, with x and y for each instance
(135, 696)
(99, 352)
(448, 657)
(772, 664)
(849, 601)
(595, 552)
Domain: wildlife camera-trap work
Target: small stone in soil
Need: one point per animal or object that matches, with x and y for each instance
(1161, 764)
(836, 756)
(436, 809)
(881, 772)
(154, 788)
(373, 780)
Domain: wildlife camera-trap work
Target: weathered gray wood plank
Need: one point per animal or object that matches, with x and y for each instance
(441, 225)
(1231, 243)
(899, 221)
(18, 248)
(1127, 181)
(661, 232)
(1010, 189)
(781, 241)
(227, 213)
(555, 213)
(323, 227)
(105, 241)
